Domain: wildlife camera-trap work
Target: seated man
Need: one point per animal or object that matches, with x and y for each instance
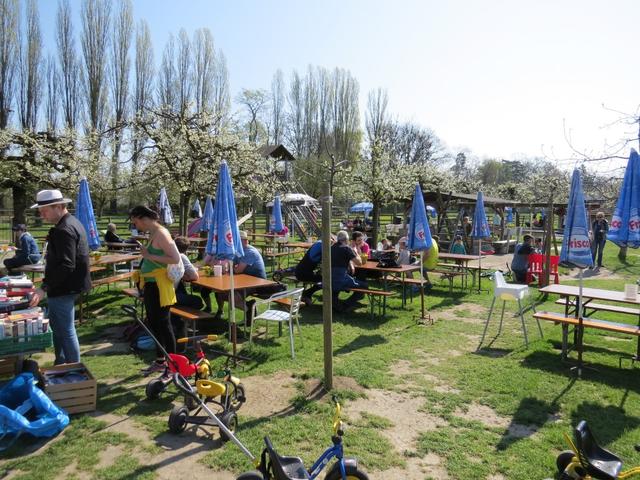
(183, 298)
(111, 236)
(306, 270)
(343, 259)
(520, 262)
(27, 252)
(251, 263)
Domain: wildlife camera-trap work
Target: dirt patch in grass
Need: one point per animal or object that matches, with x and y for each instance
(105, 348)
(430, 466)
(268, 395)
(402, 410)
(483, 414)
(109, 456)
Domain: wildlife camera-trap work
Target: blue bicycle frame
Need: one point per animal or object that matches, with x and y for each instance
(335, 451)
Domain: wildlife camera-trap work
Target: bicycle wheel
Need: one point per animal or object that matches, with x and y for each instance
(353, 475)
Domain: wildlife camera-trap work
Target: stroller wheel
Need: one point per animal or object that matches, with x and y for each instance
(154, 388)
(230, 420)
(178, 419)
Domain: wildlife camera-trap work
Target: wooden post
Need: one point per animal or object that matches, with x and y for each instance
(327, 313)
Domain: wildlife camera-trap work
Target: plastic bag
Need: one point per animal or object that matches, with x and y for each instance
(175, 271)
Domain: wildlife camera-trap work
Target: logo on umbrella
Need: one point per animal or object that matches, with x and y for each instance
(228, 235)
(420, 235)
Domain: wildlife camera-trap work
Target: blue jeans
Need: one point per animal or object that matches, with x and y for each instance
(61, 311)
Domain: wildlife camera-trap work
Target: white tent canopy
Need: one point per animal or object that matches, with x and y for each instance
(296, 199)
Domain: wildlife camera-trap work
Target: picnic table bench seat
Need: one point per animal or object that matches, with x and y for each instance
(119, 277)
(603, 307)
(559, 318)
(589, 323)
(375, 297)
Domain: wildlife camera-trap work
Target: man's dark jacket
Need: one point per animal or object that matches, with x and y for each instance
(67, 262)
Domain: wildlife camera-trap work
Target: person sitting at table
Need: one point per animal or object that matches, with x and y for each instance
(27, 252)
(251, 263)
(361, 247)
(458, 246)
(430, 261)
(307, 270)
(184, 298)
(520, 262)
(538, 245)
(385, 244)
(359, 244)
(110, 236)
(343, 261)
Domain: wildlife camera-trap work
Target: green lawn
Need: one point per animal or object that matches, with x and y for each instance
(497, 413)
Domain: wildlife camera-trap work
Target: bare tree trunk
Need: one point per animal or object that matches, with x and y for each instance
(19, 203)
(376, 221)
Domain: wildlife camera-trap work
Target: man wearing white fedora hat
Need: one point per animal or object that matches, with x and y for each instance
(66, 273)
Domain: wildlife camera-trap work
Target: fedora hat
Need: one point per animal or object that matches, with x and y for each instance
(49, 197)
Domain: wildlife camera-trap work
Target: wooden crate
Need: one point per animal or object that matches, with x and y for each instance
(73, 397)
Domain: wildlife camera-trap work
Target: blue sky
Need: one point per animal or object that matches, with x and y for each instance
(503, 79)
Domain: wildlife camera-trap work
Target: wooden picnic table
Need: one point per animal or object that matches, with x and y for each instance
(298, 245)
(571, 294)
(222, 284)
(402, 270)
(461, 260)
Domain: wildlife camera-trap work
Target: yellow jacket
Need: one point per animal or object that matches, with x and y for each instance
(431, 258)
(165, 285)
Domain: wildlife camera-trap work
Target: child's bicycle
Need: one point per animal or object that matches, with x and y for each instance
(275, 467)
(587, 460)
(233, 395)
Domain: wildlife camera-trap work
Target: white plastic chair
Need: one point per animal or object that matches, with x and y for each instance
(505, 291)
(280, 316)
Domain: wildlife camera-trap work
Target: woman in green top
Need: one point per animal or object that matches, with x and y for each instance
(159, 252)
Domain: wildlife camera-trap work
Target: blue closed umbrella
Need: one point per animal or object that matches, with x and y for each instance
(480, 229)
(419, 237)
(361, 207)
(576, 245)
(196, 209)
(276, 225)
(164, 208)
(207, 216)
(224, 236)
(624, 229)
(84, 213)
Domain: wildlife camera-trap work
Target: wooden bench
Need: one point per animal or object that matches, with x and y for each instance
(191, 314)
(559, 318)
(378, 297)
(120, 277)
(602, 307)
(121, 247)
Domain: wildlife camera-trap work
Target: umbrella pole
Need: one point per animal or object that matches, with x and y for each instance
(232, 319)
(580, 326)
(479, 265)
(422, 317)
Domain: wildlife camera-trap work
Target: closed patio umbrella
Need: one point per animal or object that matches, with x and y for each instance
(480, 229)
(224, 236)
(624, 229)
(86, 215)
(419, 236)
(164, 208)
(576, 246)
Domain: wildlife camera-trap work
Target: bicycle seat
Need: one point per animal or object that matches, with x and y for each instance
(600, 463)
(290, 468)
